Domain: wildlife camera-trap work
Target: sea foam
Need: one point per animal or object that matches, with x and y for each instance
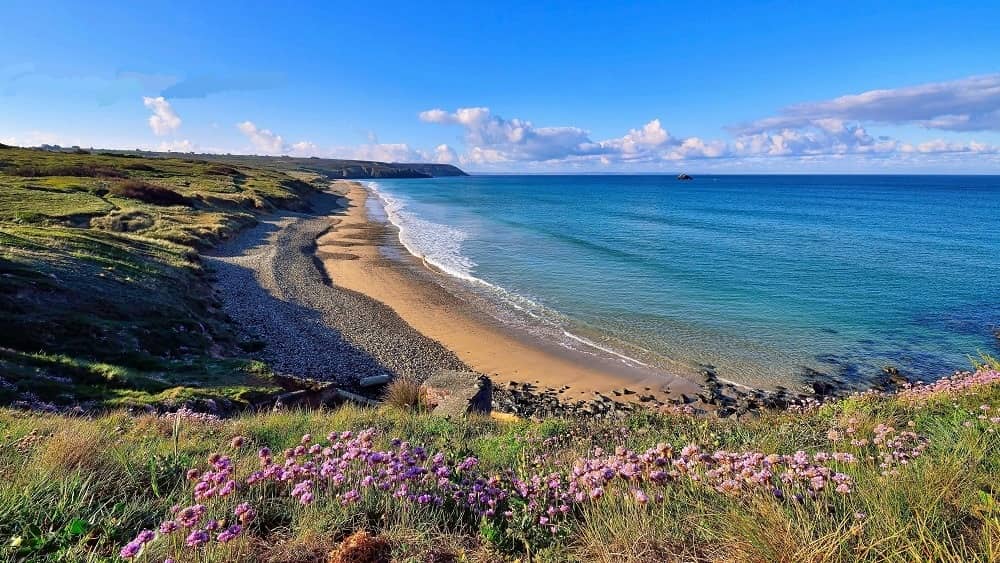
(437, 244)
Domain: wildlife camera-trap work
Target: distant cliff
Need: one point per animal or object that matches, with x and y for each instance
(329, 167)
(361, 169)
(337, 168)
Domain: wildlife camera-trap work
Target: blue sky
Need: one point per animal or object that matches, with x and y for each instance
(559, 87)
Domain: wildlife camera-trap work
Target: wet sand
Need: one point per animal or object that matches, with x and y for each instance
(366, 256)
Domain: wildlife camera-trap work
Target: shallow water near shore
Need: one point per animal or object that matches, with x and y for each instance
(762, 277)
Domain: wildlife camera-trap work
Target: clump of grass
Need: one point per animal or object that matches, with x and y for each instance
(406, 394)
(124, 222)
(362, 547)
(72, 448)
(986, 361)
(139, 166)
(149, 193)
(223, 170)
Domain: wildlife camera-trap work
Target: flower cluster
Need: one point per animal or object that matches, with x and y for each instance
(889, 447)
(949, 385)
(185, 413)
(349, 468)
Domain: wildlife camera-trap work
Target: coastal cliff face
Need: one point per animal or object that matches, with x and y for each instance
(343, 169)
(390, 170)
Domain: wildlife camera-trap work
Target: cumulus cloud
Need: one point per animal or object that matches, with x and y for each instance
(381, 152)
(511, 139)
(164, 119)
(968, 104)
(177, 146)
(443, 154)
(263, 140)
(304, 148)
(491, 138)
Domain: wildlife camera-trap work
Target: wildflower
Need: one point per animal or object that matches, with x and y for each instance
(196, 538)
(168, 527)
(245, 513)
(229, 533)
(190, 516)
(833, 435)
(193, 474)
(237, 442)
(640, 496)
(349, 497)
(131, 549)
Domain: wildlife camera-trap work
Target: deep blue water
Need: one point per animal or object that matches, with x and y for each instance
(760, 276)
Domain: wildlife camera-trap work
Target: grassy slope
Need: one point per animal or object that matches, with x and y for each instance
(103, 297)
(78, 489)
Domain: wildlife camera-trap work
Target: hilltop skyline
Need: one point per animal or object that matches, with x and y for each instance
(519, 89)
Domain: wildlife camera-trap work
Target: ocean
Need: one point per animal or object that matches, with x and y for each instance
(764, 278)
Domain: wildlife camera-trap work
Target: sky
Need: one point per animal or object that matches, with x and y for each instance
(534, 87)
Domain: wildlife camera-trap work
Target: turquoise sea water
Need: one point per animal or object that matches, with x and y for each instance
(763, 277)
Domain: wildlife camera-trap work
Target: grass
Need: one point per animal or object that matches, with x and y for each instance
(76, 488)
(103, 298)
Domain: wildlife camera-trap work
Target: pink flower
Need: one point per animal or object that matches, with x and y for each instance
(229, 533)
(197, 538)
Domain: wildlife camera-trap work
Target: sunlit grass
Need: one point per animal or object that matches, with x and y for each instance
(81, 488)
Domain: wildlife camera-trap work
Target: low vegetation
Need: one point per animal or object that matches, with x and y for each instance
(910, 477)
(104, 299)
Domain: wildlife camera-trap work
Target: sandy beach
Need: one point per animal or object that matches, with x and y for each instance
(366, 256)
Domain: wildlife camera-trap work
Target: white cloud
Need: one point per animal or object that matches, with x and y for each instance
(496, 142)
(177, 146)
(381, 152)
(304, 148)
(164, 119)
(492, 139)
(443, 154)
(502, 139)
(263, 140)
(968, 104)
(37, 138)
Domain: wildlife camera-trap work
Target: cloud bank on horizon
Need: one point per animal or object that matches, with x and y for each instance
(831, 128)
(836, 128)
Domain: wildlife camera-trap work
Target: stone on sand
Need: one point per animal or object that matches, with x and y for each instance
(457, 393)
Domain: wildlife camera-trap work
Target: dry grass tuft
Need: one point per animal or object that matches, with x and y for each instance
(407, 394)
(362, 547)
(71, 448)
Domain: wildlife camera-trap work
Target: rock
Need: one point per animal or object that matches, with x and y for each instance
(374, 380)
(823, 388)
(354, 397)
(457, 393)
(895, 377)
